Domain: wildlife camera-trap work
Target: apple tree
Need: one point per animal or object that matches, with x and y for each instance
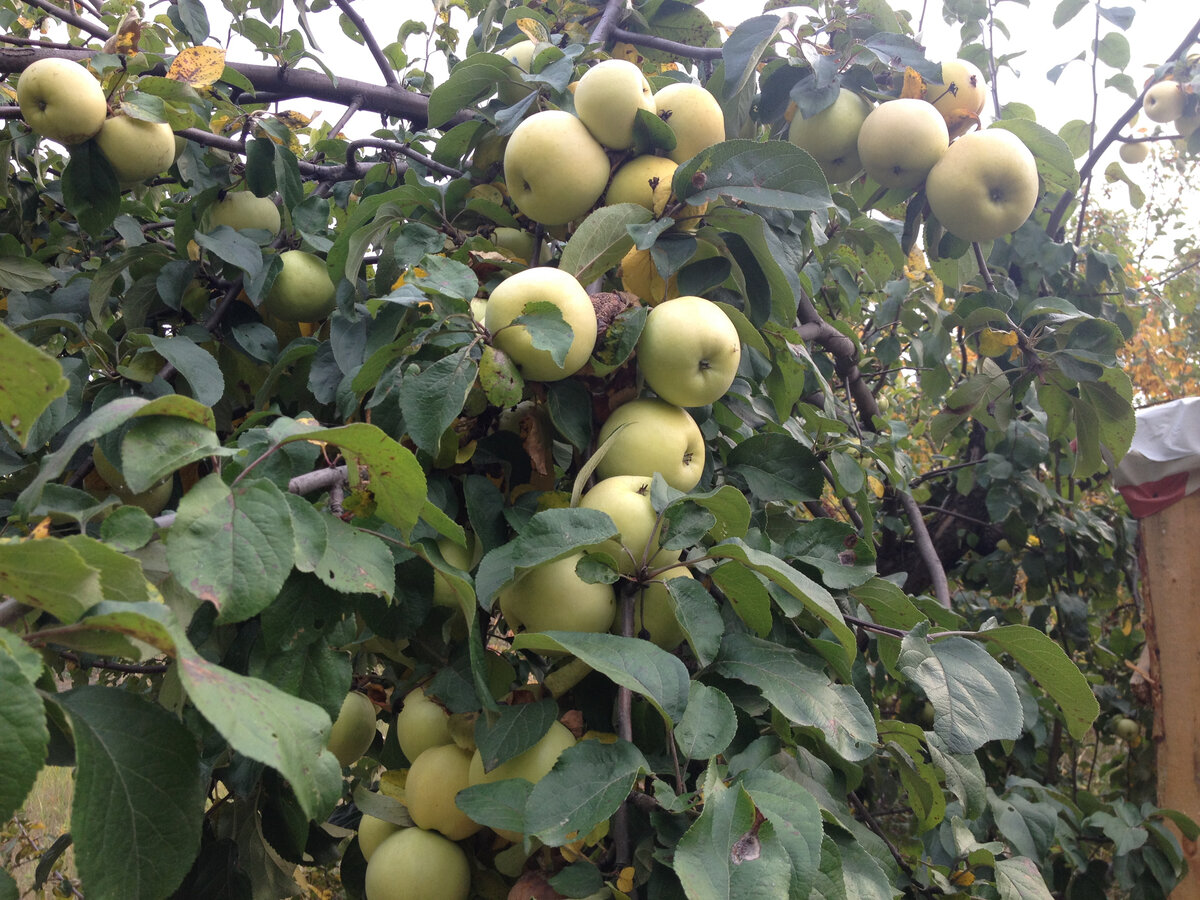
(568, 473)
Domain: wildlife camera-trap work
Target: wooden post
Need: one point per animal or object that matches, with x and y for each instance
(1171, 589)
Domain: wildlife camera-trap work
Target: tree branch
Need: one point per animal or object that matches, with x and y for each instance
(397, 147)
(385, 67)
(674, 47)
(70, 18)
(608, 21)
(937, 575)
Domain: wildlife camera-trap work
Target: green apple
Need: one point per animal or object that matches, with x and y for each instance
(533, 765)
(554, 169)
(962, 88)
(689, 351)
(654, 611)
(372, 832)
(549, 285)
(516, 241)
(433, 779)
(464, 558)
(626, 499)
(607, 99)
(61, 100)
(303, 290)
(421, 724)
(521, 56)
(353, 730)
(985, 185)
(831, 136)
(694, 115)
(152, 501)
(552, 597)
(243, 210)
(1134, 152)
(644, 180)
(1164, 101)
(1127, 729)
(415, 864)
(901, 140)
(651, 436)
(136, 150)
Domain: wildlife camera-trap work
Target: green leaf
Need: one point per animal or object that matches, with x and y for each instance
(354, 561)
(588, 784)
(500, 804)
(721, 858)
(744, 48)
(8, 887)
(24, 736)
(431, 400)
(28, 661)
(500, 379)
(195, 364)
(776, 466)
(158, 446)
(232, 547)
(708, 725)
(20, 274)
(802, 692)
(964, 777)
(748, 234)
(139, 794)
(1121, 16)
(397, 481)
(811, 595)
(747, 595)
(32, 380)
(232, 247)
(547, 328)
(514, 729)
(548, 536)
(1067, 10)
(974, 699)
(121, 577)
(1113, 50)
(1018, 878)
(698, 616)
(1055, 161)
(601, 240)
(631, 662)
(1044, 659)
(473, 79)
(652, 133)
(89, 188)
(313, 671)
(775, 174)
(797, 819)
(50, 576)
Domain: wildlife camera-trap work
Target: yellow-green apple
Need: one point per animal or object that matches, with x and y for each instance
(607, 99)
(1134, 152)
(651, 436)
(962, 88)
(61, 100)
(644, 180)
(542, 284)
(415, 864)
(901, 140)
(626, 499)
(693, 114)
(831, 136)
(1164, 101)
(421, 724)
(371, 833)
(552, 597)
(136, 150)
(353, 730)
(521, 56)
(984, 186)
(533, 765)
(303, 290)
(654, 611)
(433, 779)
(554, 169)
(689, 351)
(243, 210)
(460, 557)
(109, 480)
(517, 241)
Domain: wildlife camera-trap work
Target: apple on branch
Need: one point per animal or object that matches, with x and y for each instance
(302, 291)
(242, 210)
(626, 500)
(415, 864)
(541, 284)
(1164, 101)
(831, 136)
(900, 141)
(650, 435)
(689, 351)
(61, 100)
(962, 88)
(694, 115)
(607, 99)
(554, 169)
(552, 597)
(136, 150)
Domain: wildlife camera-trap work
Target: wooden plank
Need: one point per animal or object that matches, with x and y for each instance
(1171, 586)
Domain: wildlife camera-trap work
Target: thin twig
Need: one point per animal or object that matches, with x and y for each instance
(385, 67)
(983, 267)
(70, 18)
(673, 47)
(398, 147)
(861, 809)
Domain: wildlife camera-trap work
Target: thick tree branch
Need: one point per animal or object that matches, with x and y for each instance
(608, 21)
(937, 574)
(385, 67)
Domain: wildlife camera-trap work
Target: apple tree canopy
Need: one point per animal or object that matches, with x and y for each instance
(909, 626)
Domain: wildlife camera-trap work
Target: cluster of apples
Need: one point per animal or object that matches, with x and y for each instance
(556, 167)
(980, 187)
(63, 101)
(1164, 101)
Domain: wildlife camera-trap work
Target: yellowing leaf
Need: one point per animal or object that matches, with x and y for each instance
(960, 121)
(41, 530)
(293, 119)
(193, 251)
(198, 66)
(534, 30)
(876, 486)
(622, 50)
(391, 783)
(914, 85)
(996, 343)
(488, 192)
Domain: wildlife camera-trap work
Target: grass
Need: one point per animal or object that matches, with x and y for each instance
(46, 815)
